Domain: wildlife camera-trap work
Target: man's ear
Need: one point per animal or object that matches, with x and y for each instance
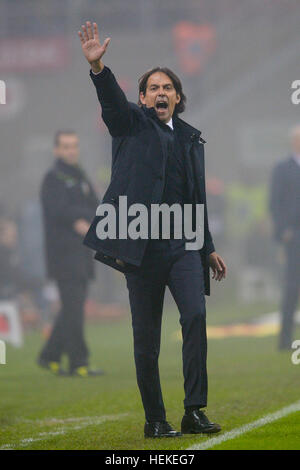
(142, 97)
(178, 98)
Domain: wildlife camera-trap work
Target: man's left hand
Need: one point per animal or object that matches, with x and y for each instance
(218, 266)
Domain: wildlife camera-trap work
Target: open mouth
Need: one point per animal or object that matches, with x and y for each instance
(161, 105)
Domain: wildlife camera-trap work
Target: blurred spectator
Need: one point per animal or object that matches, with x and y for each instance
(11, 279)
(216, 204)
(69, 204)
(285, 210)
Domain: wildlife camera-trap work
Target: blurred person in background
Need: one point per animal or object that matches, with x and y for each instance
(143, 135)
(69, 203)
(285, 211)
(217, 209)
(11, 278)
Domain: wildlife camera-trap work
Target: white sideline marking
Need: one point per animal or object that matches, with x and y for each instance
(84, 422)
(55, 421)
(247, 427)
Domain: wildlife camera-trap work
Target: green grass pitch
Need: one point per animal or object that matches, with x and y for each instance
(248, 379)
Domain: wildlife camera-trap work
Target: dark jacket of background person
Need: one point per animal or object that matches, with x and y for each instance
(66, 196)
(139, 155)
(12, 280)
(285, 198)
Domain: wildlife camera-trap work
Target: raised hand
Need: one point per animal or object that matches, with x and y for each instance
(92, 48)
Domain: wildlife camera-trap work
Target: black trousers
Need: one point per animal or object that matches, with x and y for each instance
(291, 292)
(68, 332)
(167, 263)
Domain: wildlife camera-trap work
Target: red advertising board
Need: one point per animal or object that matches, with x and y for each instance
(21, 54)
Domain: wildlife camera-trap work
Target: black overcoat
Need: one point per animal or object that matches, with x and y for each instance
(139, 155)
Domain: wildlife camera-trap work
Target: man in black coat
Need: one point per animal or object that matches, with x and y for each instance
(156, 158)
(69, 203)
(285, 210)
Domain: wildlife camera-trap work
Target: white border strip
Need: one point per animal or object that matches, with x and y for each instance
(84, 422)
(247, 427)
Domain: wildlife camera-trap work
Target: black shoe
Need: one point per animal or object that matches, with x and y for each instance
(160, 429)
(52, 366)
(84, 371)
(196, 422)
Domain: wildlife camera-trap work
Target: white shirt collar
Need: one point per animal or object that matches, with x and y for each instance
(170, 123)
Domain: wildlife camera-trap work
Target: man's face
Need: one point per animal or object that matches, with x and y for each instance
(160, 94)
(68, 148)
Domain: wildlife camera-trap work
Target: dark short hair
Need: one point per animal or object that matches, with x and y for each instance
(180, 107)
(61, 132)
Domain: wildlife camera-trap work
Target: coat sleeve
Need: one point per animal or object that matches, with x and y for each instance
(57, 205)
(117, 113)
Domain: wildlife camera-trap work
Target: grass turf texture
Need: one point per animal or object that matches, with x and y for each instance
(248, 379)
(283, 434)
